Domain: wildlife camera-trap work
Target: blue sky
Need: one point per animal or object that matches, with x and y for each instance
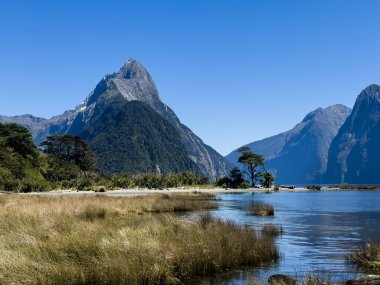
(234, 71)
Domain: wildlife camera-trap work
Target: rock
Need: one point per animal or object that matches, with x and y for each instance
(279, 279)
(366, 280)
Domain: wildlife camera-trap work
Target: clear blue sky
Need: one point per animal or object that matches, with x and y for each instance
(234, 71)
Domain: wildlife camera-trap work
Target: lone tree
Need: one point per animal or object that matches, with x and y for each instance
(252, 161)
(71, 149)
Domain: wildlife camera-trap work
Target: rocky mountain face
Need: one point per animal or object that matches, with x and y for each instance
(354, 155)
(299, 156)
(131, 83)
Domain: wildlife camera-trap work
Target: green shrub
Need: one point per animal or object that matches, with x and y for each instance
(150, 181)
(85, 183)
(245, 185)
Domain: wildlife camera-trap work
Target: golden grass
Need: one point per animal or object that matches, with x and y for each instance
(367, 256)
(258, 208)
(272, 230)
(109, 240)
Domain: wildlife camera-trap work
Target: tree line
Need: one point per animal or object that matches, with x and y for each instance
(67, 162)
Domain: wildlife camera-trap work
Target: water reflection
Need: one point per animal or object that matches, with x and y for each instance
(320, 229)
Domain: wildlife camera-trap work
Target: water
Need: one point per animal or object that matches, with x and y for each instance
(321, 228)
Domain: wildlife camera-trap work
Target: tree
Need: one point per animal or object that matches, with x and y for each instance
(19, 139)
(19, 161)
(267, 179)
(236, 177)
(234, 180)
(252, 162)
(71, 149)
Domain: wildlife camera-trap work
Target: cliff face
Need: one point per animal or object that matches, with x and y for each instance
(299, 156)
(354, 155)
(131, 83)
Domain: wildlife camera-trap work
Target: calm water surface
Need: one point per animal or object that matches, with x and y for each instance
(321, 228)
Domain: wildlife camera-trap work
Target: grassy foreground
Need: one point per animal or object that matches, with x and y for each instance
(104, 240)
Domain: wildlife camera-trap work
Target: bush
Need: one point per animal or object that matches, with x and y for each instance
(314, 187)
(85, 183)
(224, 182)
(150, 181)
(122, 181)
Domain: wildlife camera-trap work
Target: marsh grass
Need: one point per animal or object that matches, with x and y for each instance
(110, 240)
(260, 209)
(367, 256)
(272, 230)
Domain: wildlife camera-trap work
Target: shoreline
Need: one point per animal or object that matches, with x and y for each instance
(215, 190)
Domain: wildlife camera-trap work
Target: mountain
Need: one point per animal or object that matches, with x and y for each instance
(354, 155)
(131, 137)
(299, 156)
(131, 83)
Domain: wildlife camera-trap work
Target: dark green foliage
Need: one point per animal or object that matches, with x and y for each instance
(19, 161)
(237, 178)
(19, 140)
(70, 149)
(314, 187)
(252, 162)
(67, 163)
(131, 137)
(267, 179)
(234, 180)
(152, 180)
(57, 170)
(224, 182)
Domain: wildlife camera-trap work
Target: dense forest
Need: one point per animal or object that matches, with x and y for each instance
(67, 162)
(131, 137)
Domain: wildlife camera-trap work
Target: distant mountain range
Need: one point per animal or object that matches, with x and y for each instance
(130, 129)
(125, 122)
(332, 145)
(299, 156)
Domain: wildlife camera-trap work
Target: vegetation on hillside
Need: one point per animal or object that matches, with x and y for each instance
(67, 162)
(20, 161)
(130, 137)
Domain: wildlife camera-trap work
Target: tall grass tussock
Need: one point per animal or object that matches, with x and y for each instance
(367, 256)
(258, 208)
(113, 240)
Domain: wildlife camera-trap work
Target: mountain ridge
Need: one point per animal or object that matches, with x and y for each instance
(299, 156)
(354, 156)
(133, 83)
